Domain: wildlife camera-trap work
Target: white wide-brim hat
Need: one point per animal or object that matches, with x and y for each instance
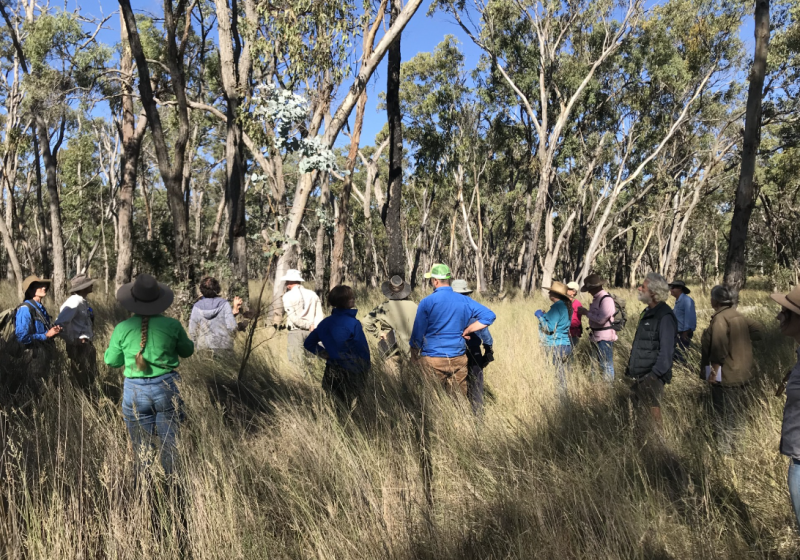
(292, 275)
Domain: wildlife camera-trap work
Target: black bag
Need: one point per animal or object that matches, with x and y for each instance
(620, 317)
(8, 326)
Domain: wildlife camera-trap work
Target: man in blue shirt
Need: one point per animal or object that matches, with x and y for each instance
(444, 322)
(686, 316)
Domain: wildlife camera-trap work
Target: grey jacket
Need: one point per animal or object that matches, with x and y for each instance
(212, 325)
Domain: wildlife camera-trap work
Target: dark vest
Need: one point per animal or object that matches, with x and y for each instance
(646, 343)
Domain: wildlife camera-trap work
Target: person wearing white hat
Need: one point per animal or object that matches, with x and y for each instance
(76, 318)
(303, 313)
(477, 359)
(575, 326)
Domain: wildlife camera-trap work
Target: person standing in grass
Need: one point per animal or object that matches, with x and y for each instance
(789, 321)
(33, 328)
(727, 362)
(149, 346)
(653, 349)
(212, 325)
(477, 360)
(575, 326)
(601, 332)
(303, 314)
(555, 327)
(340, 339)
(392, 321)
(444, 321)
(76, 318)
(686, 317)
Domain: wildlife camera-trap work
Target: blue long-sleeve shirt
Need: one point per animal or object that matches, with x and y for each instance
(555, 325)
(685, 313)
(441, 320)
(343, 339)
(26, 332)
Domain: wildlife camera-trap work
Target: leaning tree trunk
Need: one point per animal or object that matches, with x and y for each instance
(50, 158)
(396, 256)
(132, 135)
(735, 264)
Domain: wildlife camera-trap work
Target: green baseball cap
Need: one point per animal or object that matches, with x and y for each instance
(439, 271)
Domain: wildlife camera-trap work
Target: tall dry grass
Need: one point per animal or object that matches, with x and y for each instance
(271, 469)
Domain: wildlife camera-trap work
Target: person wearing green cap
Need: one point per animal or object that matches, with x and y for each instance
(444, 321)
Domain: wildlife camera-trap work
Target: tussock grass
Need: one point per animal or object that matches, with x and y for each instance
(272, 469)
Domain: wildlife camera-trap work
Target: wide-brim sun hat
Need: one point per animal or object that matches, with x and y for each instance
(292, 275)
(396, 288)
(440, 272)
(790, 301)
(682, 285)
(145, 296)
(574, 286)
(80, 283)
(557, 288)
(461, 287)
(592, 281)
(33, 279)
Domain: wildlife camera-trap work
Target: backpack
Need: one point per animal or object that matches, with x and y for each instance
(620, 315)
(8, 326)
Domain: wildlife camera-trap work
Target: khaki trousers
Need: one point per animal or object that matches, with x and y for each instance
(450, 372)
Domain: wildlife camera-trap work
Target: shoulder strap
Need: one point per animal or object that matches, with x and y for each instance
(36, 315)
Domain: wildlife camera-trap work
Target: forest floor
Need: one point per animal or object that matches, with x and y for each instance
(270, 469)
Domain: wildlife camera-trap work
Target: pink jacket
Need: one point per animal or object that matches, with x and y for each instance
(602, 316)
(575, 327)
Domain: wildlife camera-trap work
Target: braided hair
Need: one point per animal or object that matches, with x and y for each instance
(140, 363)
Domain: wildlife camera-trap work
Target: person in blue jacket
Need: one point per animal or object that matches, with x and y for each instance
(554, 326)
(340, 339)
(34, 329)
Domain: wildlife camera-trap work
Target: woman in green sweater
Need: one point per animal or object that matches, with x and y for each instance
(150, 346)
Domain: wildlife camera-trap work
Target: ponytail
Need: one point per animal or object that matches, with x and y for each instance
(140, 363)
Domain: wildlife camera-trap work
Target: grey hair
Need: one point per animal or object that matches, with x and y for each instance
(722, 295)
(658, 286)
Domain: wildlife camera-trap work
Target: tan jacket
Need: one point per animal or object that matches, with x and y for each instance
(728, 341)
(393, 315)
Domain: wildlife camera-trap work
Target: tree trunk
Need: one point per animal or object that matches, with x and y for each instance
(50, 158)
(171, 171)
(235, 71)
(735, 264)
(396, 256)
(319, 248)
(132, 135)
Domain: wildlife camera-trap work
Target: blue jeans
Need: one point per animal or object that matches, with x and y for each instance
(794, 487)
(153, 406)
(561, 356)
(604, 355)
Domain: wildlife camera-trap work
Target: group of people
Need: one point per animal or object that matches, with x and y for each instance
(446, 335)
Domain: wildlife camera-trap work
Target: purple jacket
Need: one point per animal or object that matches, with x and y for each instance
(212, 325)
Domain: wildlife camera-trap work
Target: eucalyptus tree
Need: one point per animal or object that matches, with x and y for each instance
(61, 62)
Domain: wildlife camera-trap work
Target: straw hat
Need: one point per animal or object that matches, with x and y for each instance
(790, 301)
(145, 296)
(79, 283)
(592, 281)
(396, 288)
(557, 288)
(292, 275)
(461, 287)
(33, 280)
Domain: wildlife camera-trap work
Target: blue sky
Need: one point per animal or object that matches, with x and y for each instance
(422, 34)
